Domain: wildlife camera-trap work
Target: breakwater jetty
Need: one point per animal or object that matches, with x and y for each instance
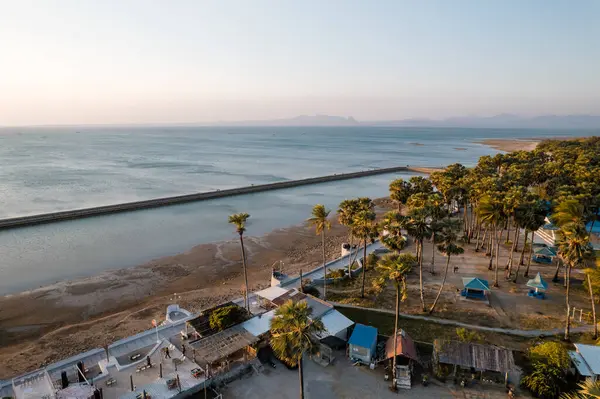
(180, 199)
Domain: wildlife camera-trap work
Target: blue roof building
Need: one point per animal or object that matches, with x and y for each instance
(363, 343)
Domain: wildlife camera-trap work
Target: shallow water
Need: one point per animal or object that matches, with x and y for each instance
(44, 170)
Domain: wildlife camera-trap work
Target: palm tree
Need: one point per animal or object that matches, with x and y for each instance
(575, 249)
(535, 219)
(347, 211)
(588, 389)
(321, 223)
(239, 220)
(416, 225)
(390, 231)
(395, 267)
(449, 247)
(593, 284)
(491, 211)
(519, 218)
(291, 333)
(400, 190)
(365, 229)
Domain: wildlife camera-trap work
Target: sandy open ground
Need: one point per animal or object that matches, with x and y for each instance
(510, 145)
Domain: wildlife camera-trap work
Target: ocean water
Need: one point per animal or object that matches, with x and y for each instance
(49, 169)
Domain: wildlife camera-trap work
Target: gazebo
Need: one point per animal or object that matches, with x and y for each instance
(475, 288)
(538, 286)
(544, 255)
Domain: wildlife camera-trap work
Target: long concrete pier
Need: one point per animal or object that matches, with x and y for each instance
(180, 199)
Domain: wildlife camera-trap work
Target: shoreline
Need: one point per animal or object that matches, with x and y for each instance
(509, 145)
(44, 325)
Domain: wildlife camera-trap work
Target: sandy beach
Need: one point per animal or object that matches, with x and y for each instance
(509, 145)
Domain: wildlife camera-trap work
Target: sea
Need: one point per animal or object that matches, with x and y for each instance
(48, 169)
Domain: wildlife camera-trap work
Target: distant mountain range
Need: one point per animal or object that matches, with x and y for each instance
(497, 121)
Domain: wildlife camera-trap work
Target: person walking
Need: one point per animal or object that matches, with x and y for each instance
(167, 354)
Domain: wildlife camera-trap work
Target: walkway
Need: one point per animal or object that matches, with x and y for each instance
(509, 331)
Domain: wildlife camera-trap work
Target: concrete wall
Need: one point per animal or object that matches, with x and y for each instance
(154, 203)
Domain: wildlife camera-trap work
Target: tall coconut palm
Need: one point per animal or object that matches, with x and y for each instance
(347, 211)
(448, 238)
(491, 211)
(239, 221)
(575, 249)
(395, 267)
(365, 228)
(535, 219)
(434, 208)
(321, 222)
(292, 330)
(417, 226)
(390, 231)
(592, 275)
(520, 221)
(400, 190)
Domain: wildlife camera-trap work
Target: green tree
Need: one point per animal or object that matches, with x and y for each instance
(292, 330)
(417, 226)
(574, 248)
(535, 219)
(390, 231)
(365, 228)
(592, 283)
(321, 222)
(347, 211)
(549, 363)
(400, 190)
(449, 248)
(491, 211)
(239, 221)
(395, 267)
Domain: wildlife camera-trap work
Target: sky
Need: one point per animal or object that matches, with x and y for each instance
(179, 61)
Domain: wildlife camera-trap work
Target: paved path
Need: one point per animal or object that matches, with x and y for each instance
(520, 333)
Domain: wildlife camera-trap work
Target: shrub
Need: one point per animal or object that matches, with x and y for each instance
(372, 260)
(549, 363)
(227, 316)
(337, 273)
(465, 335)
(311, 290)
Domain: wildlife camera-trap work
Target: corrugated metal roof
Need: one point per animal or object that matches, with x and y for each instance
(591, 355)
(480, 357)
(580, 364)
(363, 336)
(405, 346)
(258, 325)
(272, 292)
(335, 322)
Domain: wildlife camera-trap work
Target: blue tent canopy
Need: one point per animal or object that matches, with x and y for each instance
(474, 283)
(538, 283)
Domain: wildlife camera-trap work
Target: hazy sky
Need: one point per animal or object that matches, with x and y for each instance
(128, 61)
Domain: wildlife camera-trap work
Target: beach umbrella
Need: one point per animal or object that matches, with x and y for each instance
(538, 283)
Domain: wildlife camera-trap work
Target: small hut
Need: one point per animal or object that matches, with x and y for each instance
(362, 345)
(406, 355)
(538, 287)
(544, 255)
(495, 361)
(475, 288)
